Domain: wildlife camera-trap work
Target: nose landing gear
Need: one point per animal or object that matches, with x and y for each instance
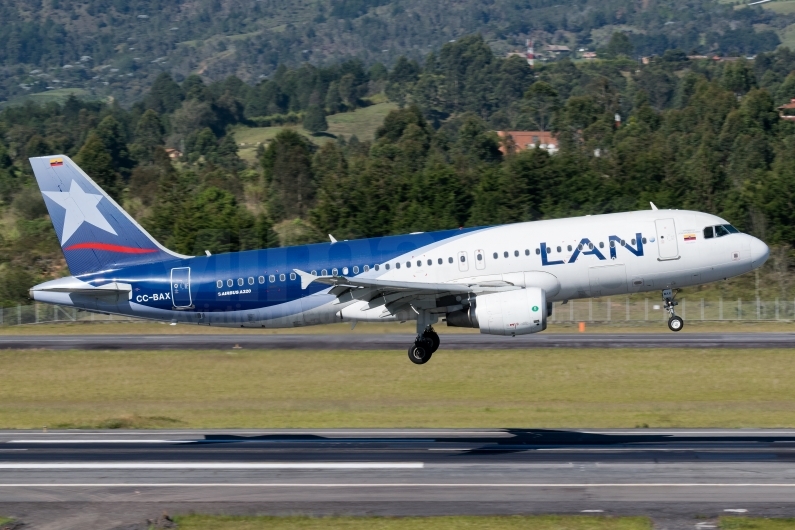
(675, 323)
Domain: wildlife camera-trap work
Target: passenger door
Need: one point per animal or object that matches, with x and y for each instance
(180, 288)
(666, 239)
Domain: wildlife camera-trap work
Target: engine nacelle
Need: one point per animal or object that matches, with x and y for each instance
(516, 312)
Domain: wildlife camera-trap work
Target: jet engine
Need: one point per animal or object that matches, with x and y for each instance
(516, 312)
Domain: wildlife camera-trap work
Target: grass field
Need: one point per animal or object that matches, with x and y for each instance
(279, 389)
(750, 523)
(544, 522)
(362, 122)
(142, 327)
(782, 8)
(58, 95)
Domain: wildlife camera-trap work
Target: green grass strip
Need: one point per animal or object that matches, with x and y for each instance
(541, 522)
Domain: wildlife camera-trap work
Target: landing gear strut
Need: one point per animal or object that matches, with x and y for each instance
(427, 340)
(675, 323)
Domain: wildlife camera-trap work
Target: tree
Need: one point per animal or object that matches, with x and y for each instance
(315, 119)
(95, 160)
(738, 77)
(618, 46)
(289, 177)
(165, 96)
(541, 103)
(109, 131)
(149, 130)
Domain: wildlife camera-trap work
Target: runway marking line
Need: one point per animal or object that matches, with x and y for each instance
(213, 465)
(383, 485)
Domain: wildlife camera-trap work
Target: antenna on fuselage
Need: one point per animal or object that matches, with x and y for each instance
(333, 240)
(653, 207)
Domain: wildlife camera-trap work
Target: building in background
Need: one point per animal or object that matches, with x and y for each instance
(518, 141)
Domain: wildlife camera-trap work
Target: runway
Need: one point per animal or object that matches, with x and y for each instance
(671, 475)
(461, 341)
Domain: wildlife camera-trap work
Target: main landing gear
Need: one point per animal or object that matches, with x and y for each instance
(675, 323)
(424, 345)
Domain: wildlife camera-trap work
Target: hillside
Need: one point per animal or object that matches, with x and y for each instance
(118, 47)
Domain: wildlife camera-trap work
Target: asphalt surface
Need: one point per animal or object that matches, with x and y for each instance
(117, 479)
(400, 341)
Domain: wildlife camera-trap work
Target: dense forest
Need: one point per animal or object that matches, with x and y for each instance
(698, 134)
(118, 47)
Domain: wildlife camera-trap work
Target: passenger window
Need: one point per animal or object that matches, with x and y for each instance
(240, 282)
(450, 259)
(579, 247)
(355, 269)
(292, 276)
(397, 265)
(314, 273)
(430, 262)
(633, 241)
(505, 254)
(251, 280)
(527, 252)
(345, 270)
(463, 258)
(601, 244)
(261, 279)
(479, 256)
(282, 277)
(590, 246)
(324, 272)
(377, 267)
(271, 278)
(366, 268)
(516, 253)
(335, 272)
(569, 247)
(538, 251)
(408, 264)
(229, 283)
(612, 244)
(496, 255)
(419, 263)
(219, 284)
(549, 250)
(721, 231)
(644, 240)
(623, 243)
(387, 266)
(558, 249)
(440, 261)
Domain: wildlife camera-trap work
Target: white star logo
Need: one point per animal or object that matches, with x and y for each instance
(81, 207)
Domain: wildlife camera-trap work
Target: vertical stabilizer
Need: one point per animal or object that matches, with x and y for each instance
(95, 233)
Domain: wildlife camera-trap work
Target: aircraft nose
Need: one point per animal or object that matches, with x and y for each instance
(759, 252)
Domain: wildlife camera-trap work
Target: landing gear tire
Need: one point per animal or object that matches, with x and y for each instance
(433, 338)
(676, 323)
(420, 352)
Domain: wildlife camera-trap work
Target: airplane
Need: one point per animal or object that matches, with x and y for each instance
(500, 279)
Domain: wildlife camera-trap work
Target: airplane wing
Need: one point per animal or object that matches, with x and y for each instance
(397, 295)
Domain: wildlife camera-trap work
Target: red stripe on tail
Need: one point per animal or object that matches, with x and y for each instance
(111, 248)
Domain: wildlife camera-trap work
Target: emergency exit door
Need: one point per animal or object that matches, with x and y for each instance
(180, 287)
(666, 239)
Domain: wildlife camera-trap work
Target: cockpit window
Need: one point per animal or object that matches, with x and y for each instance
(719, 231)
